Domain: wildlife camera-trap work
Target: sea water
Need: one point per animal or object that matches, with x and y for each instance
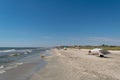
(21, 63)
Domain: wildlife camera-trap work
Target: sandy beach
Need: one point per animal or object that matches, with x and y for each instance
(74, 64)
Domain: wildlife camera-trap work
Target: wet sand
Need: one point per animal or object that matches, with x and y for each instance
(31, 64)
(73, 64)
(22, 72)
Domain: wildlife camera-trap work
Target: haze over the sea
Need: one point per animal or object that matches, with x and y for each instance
(59, 22)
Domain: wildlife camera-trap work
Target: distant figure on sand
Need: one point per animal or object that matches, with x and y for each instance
(65, 48)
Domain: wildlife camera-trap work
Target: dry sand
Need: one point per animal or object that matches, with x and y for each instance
(73, 64)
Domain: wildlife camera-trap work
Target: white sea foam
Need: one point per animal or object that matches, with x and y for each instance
(2, 66)
(2, 71)
(14, 65)
(8, 67)
(28, 51)
(19, 63)
(11, 50)
(25, 53)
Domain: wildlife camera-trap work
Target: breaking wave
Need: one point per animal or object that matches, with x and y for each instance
(4, 69)
(11, 50)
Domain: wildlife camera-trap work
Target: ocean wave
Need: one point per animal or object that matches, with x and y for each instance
(2, 71)
(8, 67)
(22, 51)
(11, 50)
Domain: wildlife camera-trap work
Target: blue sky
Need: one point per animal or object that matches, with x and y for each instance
(59, 22)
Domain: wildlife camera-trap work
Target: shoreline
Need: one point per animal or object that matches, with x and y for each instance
(25, 69)
(74, 64)
(22, 72)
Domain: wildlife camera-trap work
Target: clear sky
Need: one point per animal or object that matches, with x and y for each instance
(58, 22)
